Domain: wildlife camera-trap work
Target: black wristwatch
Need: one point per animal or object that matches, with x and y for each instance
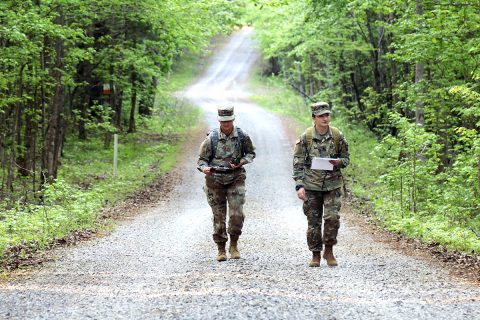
(298, 187)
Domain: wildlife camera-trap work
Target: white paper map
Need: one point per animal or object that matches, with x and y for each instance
(322, 163)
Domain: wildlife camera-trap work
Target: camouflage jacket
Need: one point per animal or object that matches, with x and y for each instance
(322, 146)
(228, 150)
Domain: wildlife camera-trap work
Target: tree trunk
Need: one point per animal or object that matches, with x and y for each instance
(419, 72)
(3, 160)
(133, 101)
(147, 101)
(301, 83)
(26, 162)
(15, 132)
(13, 151)
(478, 177)
(393, 66)
(85, 75)
(374, 54)
(32, 154)
(356, 92)
(344, 81)
(118, 103)
(54, 134)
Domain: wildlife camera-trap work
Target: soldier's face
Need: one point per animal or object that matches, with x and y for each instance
(226, 127)
(322, 121)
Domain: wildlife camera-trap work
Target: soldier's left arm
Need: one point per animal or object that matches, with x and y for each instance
(299, 162)
(249, 150)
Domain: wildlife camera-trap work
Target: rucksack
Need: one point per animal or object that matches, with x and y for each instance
(309, 139)
(240, 143)
(336, 140)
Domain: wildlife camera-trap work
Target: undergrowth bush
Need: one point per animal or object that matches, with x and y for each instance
(61, 209)
(421, 199)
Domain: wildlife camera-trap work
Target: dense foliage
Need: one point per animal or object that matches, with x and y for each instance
(73, 72)
(87, 68)
(407, 70)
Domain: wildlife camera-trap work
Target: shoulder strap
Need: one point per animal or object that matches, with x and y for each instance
(309, 138)
(241, 141)
(307, 142)
(336, 138)
(213, 143)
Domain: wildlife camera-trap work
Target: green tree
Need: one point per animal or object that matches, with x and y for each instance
(88, 67)
(417, 60)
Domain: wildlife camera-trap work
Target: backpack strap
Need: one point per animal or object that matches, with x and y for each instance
(213, 143)
(214, 137)
(307, 142)
(336, 138)
(309, 139)
(241, 142)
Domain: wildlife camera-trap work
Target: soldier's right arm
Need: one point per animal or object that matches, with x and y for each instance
(204, 154)
(298, 163)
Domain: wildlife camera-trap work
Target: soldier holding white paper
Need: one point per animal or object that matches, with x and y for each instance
(320, 190)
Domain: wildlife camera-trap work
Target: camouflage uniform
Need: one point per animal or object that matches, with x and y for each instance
(323, 189)
(226, 187)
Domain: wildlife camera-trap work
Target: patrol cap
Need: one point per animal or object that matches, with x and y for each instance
(225, 113)
(319, 108)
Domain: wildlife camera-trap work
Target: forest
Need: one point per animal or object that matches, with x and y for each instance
(73, 73)
(408, 71)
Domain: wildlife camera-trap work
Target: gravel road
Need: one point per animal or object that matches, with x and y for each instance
(161, 264)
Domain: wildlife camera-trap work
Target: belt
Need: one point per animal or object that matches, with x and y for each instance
(224, 170)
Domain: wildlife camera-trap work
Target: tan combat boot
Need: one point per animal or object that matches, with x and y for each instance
(222, 254)
(315, 259)
(328, 255)
(234, 253)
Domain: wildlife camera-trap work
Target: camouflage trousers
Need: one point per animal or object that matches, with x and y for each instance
(318, 206)
(218, 197)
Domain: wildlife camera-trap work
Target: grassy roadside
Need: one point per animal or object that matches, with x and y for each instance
(364, 171)
(85, 184)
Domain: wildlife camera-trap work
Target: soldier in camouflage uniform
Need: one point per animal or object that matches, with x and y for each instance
(320, 190)
(222, 156)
